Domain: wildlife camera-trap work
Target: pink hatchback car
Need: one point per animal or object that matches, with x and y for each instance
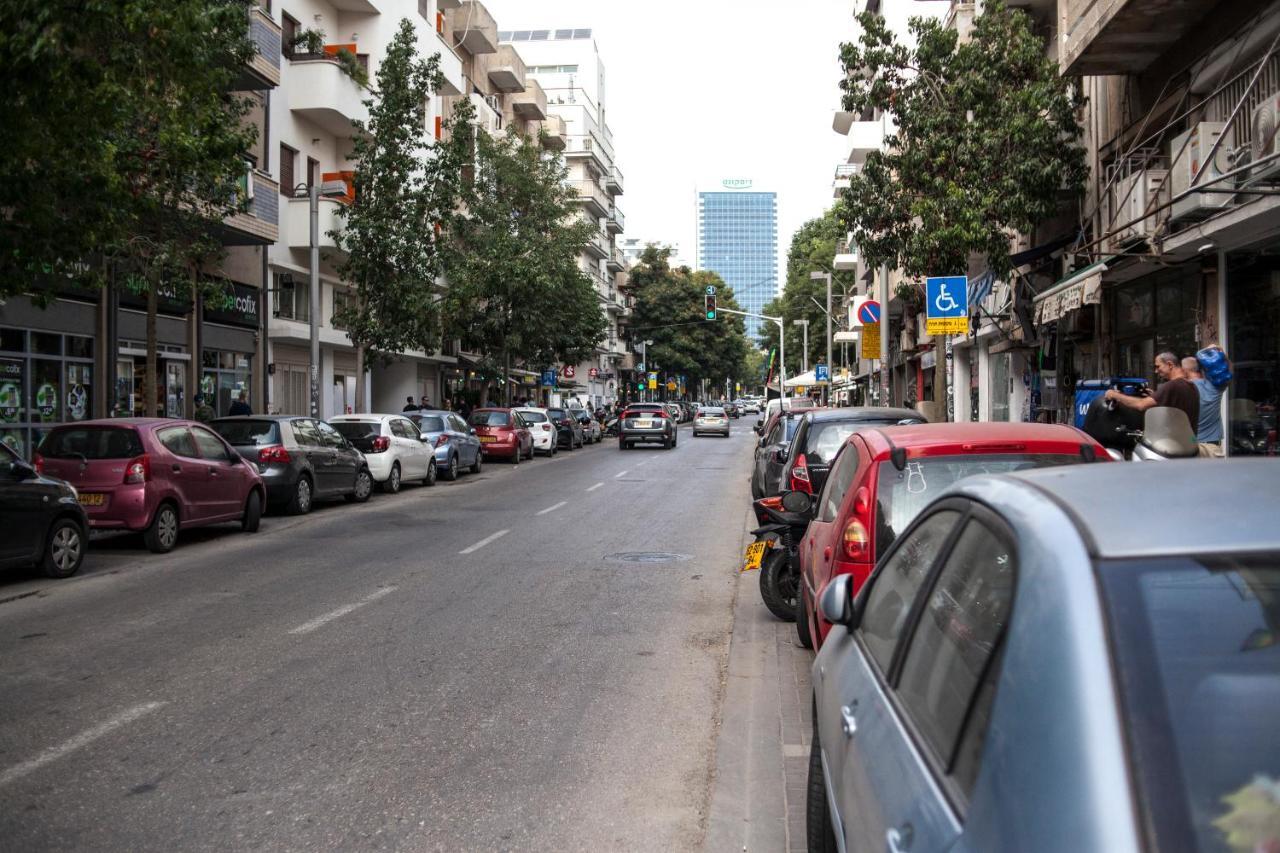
(153, 475)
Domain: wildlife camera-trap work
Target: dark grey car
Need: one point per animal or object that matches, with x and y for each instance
(646, 422)
(301, 460)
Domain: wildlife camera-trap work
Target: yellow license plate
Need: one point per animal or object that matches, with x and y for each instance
(755, 554)
(485, 439)
(92, 499)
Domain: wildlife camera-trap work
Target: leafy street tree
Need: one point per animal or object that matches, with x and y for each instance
(669, 311)
(986, 144)
(389, 230)
(122, 145)
(516, 293)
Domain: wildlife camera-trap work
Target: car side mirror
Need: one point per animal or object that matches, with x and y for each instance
(21, 470)
(423, 438)
(836, 602)
(758, 429)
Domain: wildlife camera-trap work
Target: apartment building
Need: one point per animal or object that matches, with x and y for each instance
(565, 64)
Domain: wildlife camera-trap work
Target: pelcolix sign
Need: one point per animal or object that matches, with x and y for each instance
(736, 183)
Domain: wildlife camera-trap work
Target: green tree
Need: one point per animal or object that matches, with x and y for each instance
(401, 192)
(986, 144)
(516, 292)
(123, 146)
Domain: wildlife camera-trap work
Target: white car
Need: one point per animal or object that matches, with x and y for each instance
(395, 449)
(544, 432)
(711, 419)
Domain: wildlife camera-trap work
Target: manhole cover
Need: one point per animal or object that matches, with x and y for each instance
(646, 557)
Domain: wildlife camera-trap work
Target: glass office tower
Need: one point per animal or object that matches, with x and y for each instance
(738, 240)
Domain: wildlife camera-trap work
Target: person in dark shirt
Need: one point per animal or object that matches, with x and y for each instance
(240, 406)
(1174, 391)
(409, 405)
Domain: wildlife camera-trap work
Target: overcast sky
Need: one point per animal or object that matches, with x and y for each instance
(701, 90)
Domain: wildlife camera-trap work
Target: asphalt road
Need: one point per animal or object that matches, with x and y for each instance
(483, 665)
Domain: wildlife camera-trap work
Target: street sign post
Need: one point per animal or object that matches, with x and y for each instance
(821, 373)
(548, 377)
(653, 382)
(868, 313)
(594, 372)
(946, 304)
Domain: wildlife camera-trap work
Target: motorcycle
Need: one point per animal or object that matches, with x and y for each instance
(776, 553)
(1157, 434)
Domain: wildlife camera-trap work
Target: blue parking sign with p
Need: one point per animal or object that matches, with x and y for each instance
(946, 308)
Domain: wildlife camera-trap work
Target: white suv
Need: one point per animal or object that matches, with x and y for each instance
(393, 446)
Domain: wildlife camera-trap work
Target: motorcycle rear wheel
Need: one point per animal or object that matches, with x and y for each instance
(779, 584)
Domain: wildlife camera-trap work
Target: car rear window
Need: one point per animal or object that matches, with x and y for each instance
(900, 495)
(499, 419)
(429, 423)
(533, 417)
(556, 413)
(1197, 645)
(92, 443)
(826, 437)
(244, 433)
(715, 413)
(352, 430)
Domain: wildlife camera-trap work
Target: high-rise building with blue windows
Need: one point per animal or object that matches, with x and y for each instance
(738, 240)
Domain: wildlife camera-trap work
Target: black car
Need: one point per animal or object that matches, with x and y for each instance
(771, 453)
(43, 522)
(568, 430)
(821, 434)
(301, 459)
(643, 422)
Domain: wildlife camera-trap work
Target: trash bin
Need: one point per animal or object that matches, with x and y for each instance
(1088, 390)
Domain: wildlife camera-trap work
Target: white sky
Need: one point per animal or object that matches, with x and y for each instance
(701, 90)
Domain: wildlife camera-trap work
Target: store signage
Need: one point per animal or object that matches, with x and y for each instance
(235, 305)
(736, 183)
(594, 372)
(569, 371)
(171, 298)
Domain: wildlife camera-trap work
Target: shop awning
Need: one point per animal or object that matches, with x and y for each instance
(1083, 287)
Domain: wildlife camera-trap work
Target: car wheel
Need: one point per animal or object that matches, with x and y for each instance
(820, 835)
(64, 552)
(622, 445)
(162, 535)
(430, 479)
(451, 472)
(803, 634)
(300, 503)
(252, 513)
(392, 484)
(667, 444)
(363, 487)
(475, 466)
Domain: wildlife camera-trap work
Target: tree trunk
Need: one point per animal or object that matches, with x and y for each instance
(150, 395)
(361, 403)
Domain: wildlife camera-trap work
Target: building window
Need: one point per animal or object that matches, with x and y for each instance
(288, 161)
(288, 32)
(342, 301)
(45, 379)
(291, 299)
(313, 172)
(224, 376)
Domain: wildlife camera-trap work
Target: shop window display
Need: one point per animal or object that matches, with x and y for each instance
(46, 379)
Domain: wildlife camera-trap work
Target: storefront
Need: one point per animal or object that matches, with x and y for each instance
(1253, 345)
(46, 378)
(173, 356)
(1155, 314)
(229, 337)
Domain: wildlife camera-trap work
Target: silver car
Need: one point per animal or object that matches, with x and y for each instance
(711, 420)
(1078, 658)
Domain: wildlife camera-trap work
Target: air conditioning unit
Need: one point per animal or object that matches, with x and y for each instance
(1264, 125)
(1131, 196)
(1195, 146)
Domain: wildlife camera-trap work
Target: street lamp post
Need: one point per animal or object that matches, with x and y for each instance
(804, 355)
(328, 189)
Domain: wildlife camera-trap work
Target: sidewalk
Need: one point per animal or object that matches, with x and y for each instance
(762, 750)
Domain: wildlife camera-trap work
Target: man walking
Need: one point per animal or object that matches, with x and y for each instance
(1209, 429)
(409, 405)
(240, 406)
(204, 412)
(423, 403)
(1174, 391)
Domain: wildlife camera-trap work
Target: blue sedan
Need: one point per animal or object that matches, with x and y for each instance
(455, 442)
(1080, 658)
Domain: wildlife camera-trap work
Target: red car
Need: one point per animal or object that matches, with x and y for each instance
(153, 475)
(503, 433)
(884, 476)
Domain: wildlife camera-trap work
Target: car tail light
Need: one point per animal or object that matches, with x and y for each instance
(273, 453)
(442, 441)
(857, 538)
(800, 476)
(380, 443)
(546, 427)
(138, 470)
(37, 461)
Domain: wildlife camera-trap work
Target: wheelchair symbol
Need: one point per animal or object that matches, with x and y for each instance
(944, 302)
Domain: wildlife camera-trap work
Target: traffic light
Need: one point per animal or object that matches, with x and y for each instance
(711, 306)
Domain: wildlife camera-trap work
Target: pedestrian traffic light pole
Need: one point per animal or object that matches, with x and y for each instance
(782, 346)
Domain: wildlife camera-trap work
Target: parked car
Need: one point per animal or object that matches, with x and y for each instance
(394, 448)
(591, 432)
(819, 435)
(646, 422)
(751, 407)
(771, 452)
(301, 460)
(1033, 666)
(545, 438)
(503, 433)
(713, 420)
(884, 476)
(456, 444)
(43, 522)
(569, 432)
(152, 475)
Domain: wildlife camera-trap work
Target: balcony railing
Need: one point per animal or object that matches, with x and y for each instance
(613, 182)
(531, 104)
(589, 192)
(505, 69)
(617, 221)
(259, 223)
(263, 70)
(553, 133)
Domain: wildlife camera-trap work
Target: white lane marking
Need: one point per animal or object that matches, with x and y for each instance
(552, 508)
(593, 488)
(620, 474)
(485, 541)
(319, 621)
(83, 739)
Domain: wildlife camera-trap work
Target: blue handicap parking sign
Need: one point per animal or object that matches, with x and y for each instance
(947, 296)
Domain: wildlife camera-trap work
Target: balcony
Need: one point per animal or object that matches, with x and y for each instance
(367, 7)
(844, 172)
(259, 224)
(473, 27)
(616, 262)
(263, 70)
(613, 181)
(505, 69)
(598, 246)
(864, 137)
(846, 256)
(1100, 37)
(586, 146)
(299, 225)
(594, 198)
(321, 92)
(553, 135)
(617, 223)
(531, 104)
(487, 114)
(455, 81)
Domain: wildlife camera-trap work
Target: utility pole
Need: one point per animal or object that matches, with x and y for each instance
(804, 355)
(313, 194)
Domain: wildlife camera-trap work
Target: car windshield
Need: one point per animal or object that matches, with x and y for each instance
(244, 433)
(825, 438)
(499, 419)
(92, 443)
(1197, 643)
(900, 495)
(352, 430)
(533, 417)
(429, 423)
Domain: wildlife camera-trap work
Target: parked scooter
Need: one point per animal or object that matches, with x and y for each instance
(780, 534)
(1157, 434)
